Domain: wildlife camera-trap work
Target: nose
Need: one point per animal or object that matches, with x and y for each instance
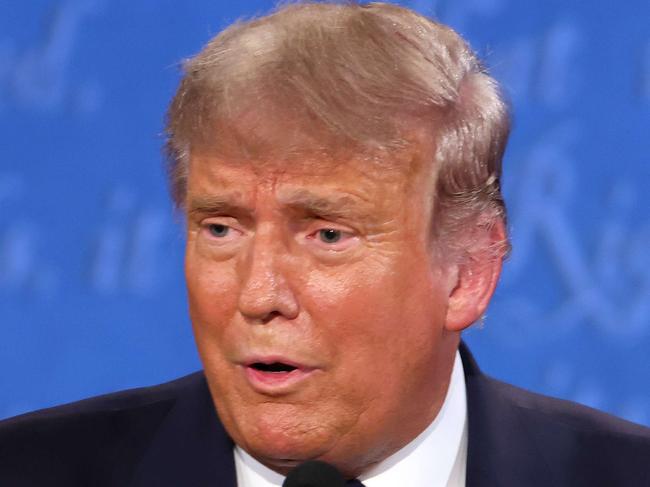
(265, 291)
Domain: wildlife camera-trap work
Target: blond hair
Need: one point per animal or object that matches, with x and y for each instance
(358, 71)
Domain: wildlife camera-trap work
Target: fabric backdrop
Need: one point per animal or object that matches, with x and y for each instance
(91, 289)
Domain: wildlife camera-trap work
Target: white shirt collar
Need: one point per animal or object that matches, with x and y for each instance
(435, 458)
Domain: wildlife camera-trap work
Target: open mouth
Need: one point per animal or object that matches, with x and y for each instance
(275, 374)
(276, 367)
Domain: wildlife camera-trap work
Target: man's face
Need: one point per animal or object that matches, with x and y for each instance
(317, 305)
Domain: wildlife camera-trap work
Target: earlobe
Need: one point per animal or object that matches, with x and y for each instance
(475, 282)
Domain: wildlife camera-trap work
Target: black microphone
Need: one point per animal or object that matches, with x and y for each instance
(314, 473)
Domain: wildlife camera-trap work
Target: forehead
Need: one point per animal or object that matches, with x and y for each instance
(292, 175)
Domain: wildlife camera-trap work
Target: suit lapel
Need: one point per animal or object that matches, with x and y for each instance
(501, 451)
(190, 447)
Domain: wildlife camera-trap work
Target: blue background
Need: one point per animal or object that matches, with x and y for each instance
(92, 294)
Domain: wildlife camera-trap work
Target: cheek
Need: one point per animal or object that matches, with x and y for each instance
(381, 321)
(212, 294)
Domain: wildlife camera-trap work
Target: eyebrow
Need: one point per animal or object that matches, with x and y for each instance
(336, 206)
(303, 201)
(213, 204)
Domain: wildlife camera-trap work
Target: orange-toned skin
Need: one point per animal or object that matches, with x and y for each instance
(376, 315)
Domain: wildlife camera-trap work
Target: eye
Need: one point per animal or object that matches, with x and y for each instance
(329, 235)
(332, 239)
(221, 231)
(218, 230)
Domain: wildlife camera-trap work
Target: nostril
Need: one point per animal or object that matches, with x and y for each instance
(270, 317)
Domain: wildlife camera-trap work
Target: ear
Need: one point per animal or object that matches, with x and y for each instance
(475, 280)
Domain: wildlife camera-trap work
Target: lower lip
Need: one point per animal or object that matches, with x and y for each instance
(270, 382)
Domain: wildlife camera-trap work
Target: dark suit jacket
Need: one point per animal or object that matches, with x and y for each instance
(169, 435)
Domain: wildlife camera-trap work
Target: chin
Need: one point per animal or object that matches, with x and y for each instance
(282, 437)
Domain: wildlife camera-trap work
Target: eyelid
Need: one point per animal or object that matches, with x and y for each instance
(226, 221)
(317, 226)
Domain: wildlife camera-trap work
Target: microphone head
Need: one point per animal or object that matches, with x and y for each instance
(314, 473)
